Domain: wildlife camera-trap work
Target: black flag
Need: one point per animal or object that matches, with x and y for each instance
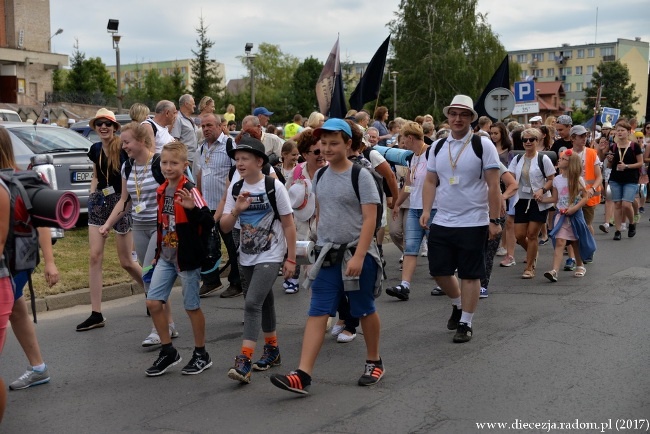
(368, 87)
(501, 78)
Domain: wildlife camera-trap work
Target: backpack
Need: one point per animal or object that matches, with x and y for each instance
(384, 183)
(153, 126)
(155, 168)
(269, 186)
(356, 170)
(476, 146)
(540, 162)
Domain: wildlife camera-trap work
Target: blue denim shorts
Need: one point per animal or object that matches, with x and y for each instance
(162, 282)
(327, 290)
(413, 232)
(623, 192)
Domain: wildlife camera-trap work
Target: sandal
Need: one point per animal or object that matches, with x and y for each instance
(580, 272)
(551, 275)
(528, 274)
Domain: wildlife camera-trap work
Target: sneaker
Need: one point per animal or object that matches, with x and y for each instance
(604, 227)
(551, 275)
(399, 291)
(508, 261)
(401, 259)
(637, 217)
(484, 293)
(463, 333)
(164, 361)
(623, 226)
(570, 264)
(209, 288)
(94, 321)
(290, 287)
(232, 291)
(342, 338)
(337, 329)
(424, 250)
(542, 242)
(30, 378)
(242, 369)
(372, 373)
(270, 358)
(173, 333)
(437, 291)
(454, 319)
(632, 230)
(617, 236)
(291, 382)
(501, 251)
(152, 340)
(198, 363)
(641, 210)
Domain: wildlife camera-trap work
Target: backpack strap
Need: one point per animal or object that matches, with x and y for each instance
(438, 147)
(356, 169)
(319, 174)
(477, 146)
(269, 184)
(156, 171)
(128, 166)
(153, 126)
(540, 163)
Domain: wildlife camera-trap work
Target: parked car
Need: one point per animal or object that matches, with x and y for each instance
(9, 116)
(83, 127)
(64, 160)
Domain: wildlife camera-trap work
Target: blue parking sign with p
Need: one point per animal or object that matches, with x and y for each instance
(524, 91)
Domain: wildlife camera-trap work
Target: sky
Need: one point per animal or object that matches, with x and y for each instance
(165, 29)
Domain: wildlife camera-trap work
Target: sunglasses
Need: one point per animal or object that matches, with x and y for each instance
(103, 123)
(528, 139)
(315, 152)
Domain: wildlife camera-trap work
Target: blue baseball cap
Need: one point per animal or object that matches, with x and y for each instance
(262, 111)
(333, 124)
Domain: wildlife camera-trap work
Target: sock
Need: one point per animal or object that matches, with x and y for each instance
(39, 368)
(305, 378)
(376, 362)
(273, 341)
(167, 347)
(248, 352)
(456, 302)
(406, 284)
(466, 317)
(199, 350)
(96, 314)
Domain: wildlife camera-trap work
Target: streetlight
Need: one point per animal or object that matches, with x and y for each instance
(250, 58)
(394, 80)
(112, 29)
(49, 41)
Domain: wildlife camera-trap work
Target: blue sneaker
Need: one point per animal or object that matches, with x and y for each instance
(570, 264)
(270, 358)
(484, 293)
(242, 369)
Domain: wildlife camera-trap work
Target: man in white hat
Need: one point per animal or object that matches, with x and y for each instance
(536, 121)
(463, 176)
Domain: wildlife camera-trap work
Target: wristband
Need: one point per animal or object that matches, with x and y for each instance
(232, 213)
(291, 261)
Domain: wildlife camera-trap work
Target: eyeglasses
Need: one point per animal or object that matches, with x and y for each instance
(105, 123)
(462, 115)
(528, 139)
(315, 152)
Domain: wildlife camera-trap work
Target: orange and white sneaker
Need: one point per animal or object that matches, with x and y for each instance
(373, 373)
(294, 381)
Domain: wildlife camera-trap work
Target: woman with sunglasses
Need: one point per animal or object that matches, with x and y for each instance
(534, 183)
(105, 192)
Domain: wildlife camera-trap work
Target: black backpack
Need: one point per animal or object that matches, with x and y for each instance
(155, 168)
(540, 159)
(384, 183)
(269, 185)
(356, 170)
(476, 146)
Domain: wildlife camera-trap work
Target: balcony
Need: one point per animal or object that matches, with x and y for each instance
(609, 58)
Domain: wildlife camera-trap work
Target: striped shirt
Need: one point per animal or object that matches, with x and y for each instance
(214, 165)
(147, 185)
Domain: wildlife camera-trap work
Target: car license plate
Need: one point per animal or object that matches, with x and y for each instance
(82, 176)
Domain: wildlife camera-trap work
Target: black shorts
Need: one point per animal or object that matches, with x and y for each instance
(528, 211)
(461, 249)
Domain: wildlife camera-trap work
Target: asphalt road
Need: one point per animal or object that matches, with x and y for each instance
(574, 352)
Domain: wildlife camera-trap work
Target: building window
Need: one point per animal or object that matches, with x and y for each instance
(522, 75)
(183, 70)
(590, 69)
(567, 54)
(581, 54)
(578, 87)
(539, 57)
(567, 71)
(551, 55)
(591, 52)
(578, 70)
(567, 87)
(607, 51)
(522, 58)
(578, 103)
(550, 72)
(589, 85)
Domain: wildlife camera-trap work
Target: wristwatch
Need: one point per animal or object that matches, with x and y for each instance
(544, 190)
(496, 221)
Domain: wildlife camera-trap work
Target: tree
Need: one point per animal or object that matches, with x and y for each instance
(58, 80)
(441, 48)
(206, 79)
(617, 91)
(304, 80)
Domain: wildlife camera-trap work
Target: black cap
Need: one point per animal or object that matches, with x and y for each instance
(252, 145)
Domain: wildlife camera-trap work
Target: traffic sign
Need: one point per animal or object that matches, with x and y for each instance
(610, 115)
(524, 91)
(526, 108)
(499, 103)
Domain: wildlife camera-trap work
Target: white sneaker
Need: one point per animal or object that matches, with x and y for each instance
(337, 329)
(501, 251)
(173, 333)
(152, 339)
(623, 227)
(344, 339)
(424, 249)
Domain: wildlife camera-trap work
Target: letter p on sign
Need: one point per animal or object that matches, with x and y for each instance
(524, 91)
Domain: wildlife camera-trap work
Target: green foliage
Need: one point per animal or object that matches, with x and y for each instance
(206, 79)
(58, 80)
(88, 76)
(302, 93)
(617, 91)
(151, 87)
(441, 48)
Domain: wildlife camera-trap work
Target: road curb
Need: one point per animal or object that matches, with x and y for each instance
(82, 296)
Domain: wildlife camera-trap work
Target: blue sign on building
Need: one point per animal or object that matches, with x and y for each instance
(524, 91)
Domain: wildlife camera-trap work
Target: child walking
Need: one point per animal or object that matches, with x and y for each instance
(570, 195)
(267, 233)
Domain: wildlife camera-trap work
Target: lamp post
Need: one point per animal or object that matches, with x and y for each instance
(112, 29)
(49, 41)
(394, 80)
(251, 57)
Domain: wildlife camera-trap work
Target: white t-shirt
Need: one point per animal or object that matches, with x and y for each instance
(535, 176)
(416, 176)
(561, 184)
(462, 196)
(262, 238)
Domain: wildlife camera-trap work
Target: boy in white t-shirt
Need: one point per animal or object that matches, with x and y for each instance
(267, 233)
